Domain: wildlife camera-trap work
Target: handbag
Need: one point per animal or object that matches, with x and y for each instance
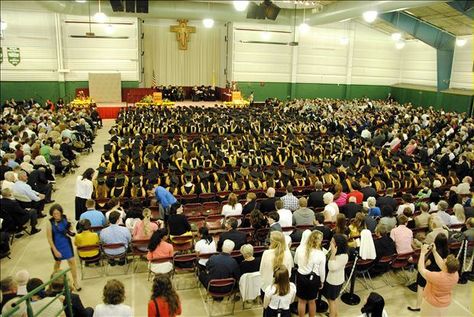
(156, 308)
(311, 276)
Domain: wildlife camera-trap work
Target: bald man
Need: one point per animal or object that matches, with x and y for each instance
(268, 205)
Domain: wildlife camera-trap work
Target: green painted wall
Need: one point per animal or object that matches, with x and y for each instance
(439, 100)
(42, 90)
(303, 90)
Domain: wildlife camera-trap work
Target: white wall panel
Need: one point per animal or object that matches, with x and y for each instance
(375, 59)
(34, 35)
(418, 64)
(94, 55)
(462, 73)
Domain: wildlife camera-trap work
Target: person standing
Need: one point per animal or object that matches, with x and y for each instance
(336, 265)
(311, 274)
(58, 238)
(165, 199)
(84, 190)
(437, 294)
(164, 300)
(279, 295)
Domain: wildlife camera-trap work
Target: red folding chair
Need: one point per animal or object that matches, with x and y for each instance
(139, 251)
(220, 288)
(160, 261)
(182, 243)
(122, 256)
(185, 264)
(87, 261)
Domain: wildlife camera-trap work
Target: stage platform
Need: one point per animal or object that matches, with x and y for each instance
(111, 110)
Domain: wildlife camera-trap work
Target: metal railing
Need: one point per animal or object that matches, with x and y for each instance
(66, 292)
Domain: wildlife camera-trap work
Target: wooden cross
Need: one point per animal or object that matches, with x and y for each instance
(183, 32)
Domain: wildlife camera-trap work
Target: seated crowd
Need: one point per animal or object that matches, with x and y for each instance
(358, 180)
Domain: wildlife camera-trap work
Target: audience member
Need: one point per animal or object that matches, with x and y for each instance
(286, 216)
(239, 238)
(319, 225)
(351, 208)
(374, 211)
(437, 294)
(78, 309)
(221, 266)
(115, 234)
(303, 215)
(96, 218)
(289, 200)
(273, 218)
(387, 200)
(280, 294)
(374, 306)
(267, 205)
(159, 249)
(311, 273)
(14, 216)
(250, 263)
(407, 202)
(233, 207)
(384, 245)
(164, 300)
(421, 221)
(402, 236)
(315, 199)
(205, 244)
(86, 238)
(331, 209)
(178, 224)
(336, 268)
(113, 298)
(276, 256)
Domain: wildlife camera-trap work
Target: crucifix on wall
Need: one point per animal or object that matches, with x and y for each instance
(183, 32)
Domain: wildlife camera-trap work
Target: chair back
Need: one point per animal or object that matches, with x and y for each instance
(88, 248)
(249, 285)
(219, 287)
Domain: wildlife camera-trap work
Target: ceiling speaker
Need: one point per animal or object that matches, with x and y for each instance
(255, 11)
(271, 10)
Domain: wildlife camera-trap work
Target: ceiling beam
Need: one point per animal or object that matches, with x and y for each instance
(439, 39)
(466, 7)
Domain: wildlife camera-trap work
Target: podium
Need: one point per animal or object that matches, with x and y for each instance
(236, 96)
(157, 97)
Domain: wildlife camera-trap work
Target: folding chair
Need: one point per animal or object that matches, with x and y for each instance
(83, 262)
(160, 261)
(185, 264)
(362, 269)
(192, 210)
(190, 198)
(383, 266)
(401, 262)
(219, 288)
(207, 197)
(117, 257)
(139, 251)
(249, 286)
(182, 243)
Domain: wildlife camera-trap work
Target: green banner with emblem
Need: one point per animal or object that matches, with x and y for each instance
(13, 54)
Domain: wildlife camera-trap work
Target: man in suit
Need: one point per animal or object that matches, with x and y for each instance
(239, 238)
(268, 205)
(367, 190)
(351, 208)
(12, 210)
(221, 266)
(387, 200)
(315, 199)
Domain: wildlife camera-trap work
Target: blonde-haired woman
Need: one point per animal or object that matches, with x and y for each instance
(144, 229)
(276, 256)
(232, 208)
(311, 273)
(459, 215)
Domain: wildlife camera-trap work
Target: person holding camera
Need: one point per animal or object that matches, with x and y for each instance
(437, 294)
(58, 233)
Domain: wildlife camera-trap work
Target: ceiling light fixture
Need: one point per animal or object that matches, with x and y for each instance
(81, 1)
(399, 45)
(3, 25)
(370, 16)
(396, 36)
(304, 27)
(344, 40)
(240, 5)
(208, 23)
(461, 42)
(100, 16)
